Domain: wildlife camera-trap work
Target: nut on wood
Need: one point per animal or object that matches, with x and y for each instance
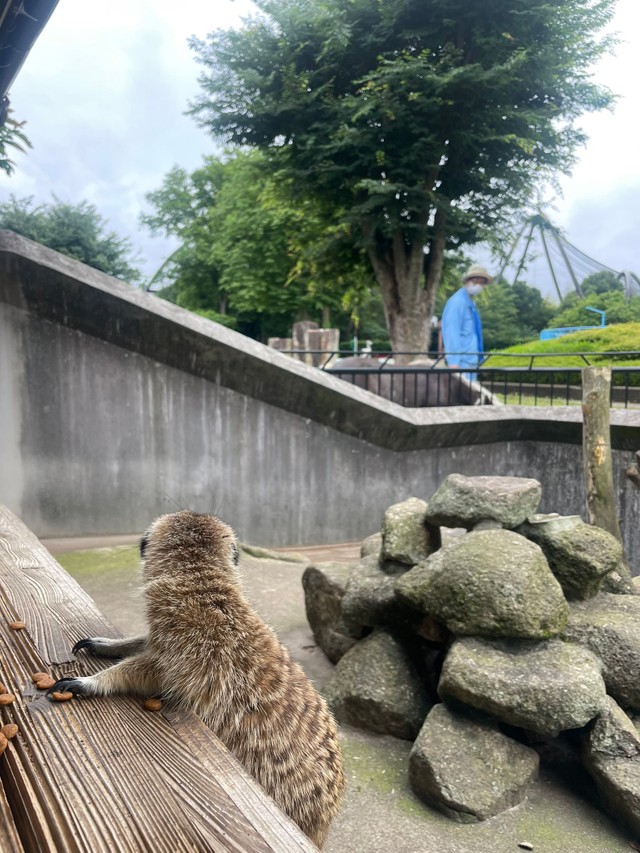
(63, 696)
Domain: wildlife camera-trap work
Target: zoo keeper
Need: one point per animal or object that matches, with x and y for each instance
(461, 324)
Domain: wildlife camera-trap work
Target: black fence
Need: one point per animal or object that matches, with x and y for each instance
(434, 384)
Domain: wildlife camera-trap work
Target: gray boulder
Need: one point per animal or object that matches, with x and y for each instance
(465, 501)
(619, 581)
(579, 555)
(490, 583)
(406, 536)
(370, 599)
(612, 736)
(371, 546)
(376, 686)
(324, 586)
(608, 626)
(467, 768)
(545, 687)
(612, 755)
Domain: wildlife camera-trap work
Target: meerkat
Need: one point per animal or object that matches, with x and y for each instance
(209, 651)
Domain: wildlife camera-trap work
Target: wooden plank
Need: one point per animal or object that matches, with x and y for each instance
(104, 774)
(9, 838)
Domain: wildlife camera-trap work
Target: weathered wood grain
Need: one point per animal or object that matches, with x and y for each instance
(104, 774)
(9, 838)
(596, 450)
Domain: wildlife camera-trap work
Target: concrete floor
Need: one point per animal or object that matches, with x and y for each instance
(380, 812)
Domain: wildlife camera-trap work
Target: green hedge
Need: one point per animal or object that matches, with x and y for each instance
(624, 337)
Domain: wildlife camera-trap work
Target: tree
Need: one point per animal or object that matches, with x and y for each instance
(573, 310)
(252, 255)
(512, 314)
(11, 136)
(424, 123)
(76, 230)
(602, 282)
(534, 311)
(181, 209)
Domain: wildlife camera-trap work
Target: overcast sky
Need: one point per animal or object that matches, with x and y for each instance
(105, 88)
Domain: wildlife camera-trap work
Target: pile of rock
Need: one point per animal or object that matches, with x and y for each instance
(484, 650)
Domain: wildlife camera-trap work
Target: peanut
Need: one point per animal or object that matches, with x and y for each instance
(9, 730)
(153, 704)
(3, 743)
(7, 698)
(45, 683)
(61, 697)
(3, 689)
(38, 676)
(17, 625)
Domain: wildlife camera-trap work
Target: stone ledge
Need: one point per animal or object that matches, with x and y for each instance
(54, 287)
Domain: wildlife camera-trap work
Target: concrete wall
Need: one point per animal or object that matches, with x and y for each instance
(116, 406)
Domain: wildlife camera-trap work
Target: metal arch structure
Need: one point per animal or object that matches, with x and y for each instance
(631, 283)
(573, 259)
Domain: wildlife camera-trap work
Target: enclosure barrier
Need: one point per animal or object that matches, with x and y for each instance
(430, 385)
(117, 406)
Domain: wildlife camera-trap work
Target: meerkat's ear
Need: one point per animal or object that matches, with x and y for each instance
(143, 545)
(236, 553)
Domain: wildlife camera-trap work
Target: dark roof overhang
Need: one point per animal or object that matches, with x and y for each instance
(21, 22)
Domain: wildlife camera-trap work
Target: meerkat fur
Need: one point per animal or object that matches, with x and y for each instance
(209, 651)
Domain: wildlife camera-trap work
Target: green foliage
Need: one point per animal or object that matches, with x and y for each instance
(181, 209)
(76, 230)
(365, 321)
(559, 352)
(573, 310)
(11, 136)
(421, 123)
(601, 282)
(497, 307)
(252, 252)
(610, 340)
(512, 313)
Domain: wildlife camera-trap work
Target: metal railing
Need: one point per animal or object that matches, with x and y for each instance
(435, 384)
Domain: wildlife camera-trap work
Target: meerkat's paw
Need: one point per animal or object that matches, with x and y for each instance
(80, 686)
(99, 646)
(105, 647)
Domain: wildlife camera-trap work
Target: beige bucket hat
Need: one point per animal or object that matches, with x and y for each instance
(476, 271)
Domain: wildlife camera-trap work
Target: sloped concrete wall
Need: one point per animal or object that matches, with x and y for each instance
(116, 406)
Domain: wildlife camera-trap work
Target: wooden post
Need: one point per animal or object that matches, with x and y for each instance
(596, 446)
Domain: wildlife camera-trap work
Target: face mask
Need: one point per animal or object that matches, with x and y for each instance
(474, 289)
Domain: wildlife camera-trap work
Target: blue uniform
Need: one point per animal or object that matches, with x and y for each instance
(462, 330)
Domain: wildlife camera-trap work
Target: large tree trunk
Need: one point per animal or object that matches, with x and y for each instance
(408, 304)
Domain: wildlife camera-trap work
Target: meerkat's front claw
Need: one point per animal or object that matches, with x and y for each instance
(83, 644)
(77, 686)
(108, 647)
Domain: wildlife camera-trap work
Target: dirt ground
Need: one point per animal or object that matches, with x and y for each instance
(380, 812)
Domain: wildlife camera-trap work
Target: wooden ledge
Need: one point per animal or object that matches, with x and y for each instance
(104, 774)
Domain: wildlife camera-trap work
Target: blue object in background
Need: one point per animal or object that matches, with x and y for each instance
(550, 334)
